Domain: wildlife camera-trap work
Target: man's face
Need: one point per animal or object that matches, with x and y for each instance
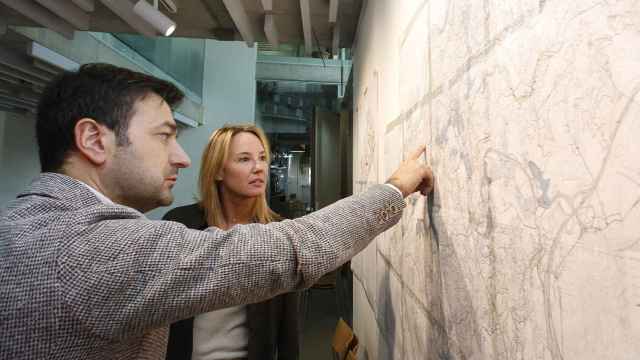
(142, 173)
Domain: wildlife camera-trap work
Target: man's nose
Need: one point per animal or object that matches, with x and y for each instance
(179, 157)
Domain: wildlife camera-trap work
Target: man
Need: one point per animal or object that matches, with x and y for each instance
(86, 276)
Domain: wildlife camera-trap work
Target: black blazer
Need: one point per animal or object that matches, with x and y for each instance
(273, 324)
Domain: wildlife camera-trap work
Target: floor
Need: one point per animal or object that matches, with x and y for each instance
(327, 301)
(320, 322)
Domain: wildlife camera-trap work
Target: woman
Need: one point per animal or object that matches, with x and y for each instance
(232, 184)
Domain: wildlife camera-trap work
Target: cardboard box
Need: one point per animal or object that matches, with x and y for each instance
(345, 342)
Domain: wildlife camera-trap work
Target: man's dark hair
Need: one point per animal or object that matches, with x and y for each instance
(102, 92)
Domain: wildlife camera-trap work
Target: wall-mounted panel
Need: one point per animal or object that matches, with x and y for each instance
(529, 247)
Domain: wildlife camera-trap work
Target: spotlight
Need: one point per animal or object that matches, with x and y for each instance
(154, 17)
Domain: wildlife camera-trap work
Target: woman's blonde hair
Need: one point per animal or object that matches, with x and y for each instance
(214, 156)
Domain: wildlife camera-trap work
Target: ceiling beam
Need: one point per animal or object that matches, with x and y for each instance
(305, 15)
(86, 5)
(17, 100)
(241, 20)
(14, 103)
(334, 25)
(333, 11)
(11, 109)
(67, 11)
(270, 28)
(335, 42)
(267, 6)
(21, 63)
(10, 103)
(9, 80)
(271, 31)
(41, 16)
(39, 64)
(170, 5)
(24, 92)
(21, 76)
(124, 9)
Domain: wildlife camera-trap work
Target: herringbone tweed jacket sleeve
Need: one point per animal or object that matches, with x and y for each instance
(121, 274)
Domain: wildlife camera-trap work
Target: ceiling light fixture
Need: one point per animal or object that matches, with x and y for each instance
(154, 17)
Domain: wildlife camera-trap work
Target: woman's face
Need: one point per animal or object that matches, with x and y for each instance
(244, 173)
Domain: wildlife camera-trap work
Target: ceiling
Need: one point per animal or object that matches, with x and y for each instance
(23, 73)
(318, 24)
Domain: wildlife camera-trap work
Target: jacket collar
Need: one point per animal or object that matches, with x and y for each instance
(65, 188)
(57, 186)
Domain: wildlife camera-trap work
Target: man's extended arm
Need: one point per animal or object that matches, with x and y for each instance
(125, 276)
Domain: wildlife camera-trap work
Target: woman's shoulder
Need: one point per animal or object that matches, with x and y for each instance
(190, 215)
(274, 305)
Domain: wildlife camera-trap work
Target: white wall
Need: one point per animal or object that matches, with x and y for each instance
(229, 94)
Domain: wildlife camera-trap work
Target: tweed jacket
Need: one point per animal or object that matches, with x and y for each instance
(81, 279)
(273, 324)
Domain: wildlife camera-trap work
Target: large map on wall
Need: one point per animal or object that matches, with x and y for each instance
(530, 246)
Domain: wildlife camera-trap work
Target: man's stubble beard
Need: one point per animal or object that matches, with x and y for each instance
(135, 186)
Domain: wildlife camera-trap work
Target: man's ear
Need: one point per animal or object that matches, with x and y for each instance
(92, 140)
